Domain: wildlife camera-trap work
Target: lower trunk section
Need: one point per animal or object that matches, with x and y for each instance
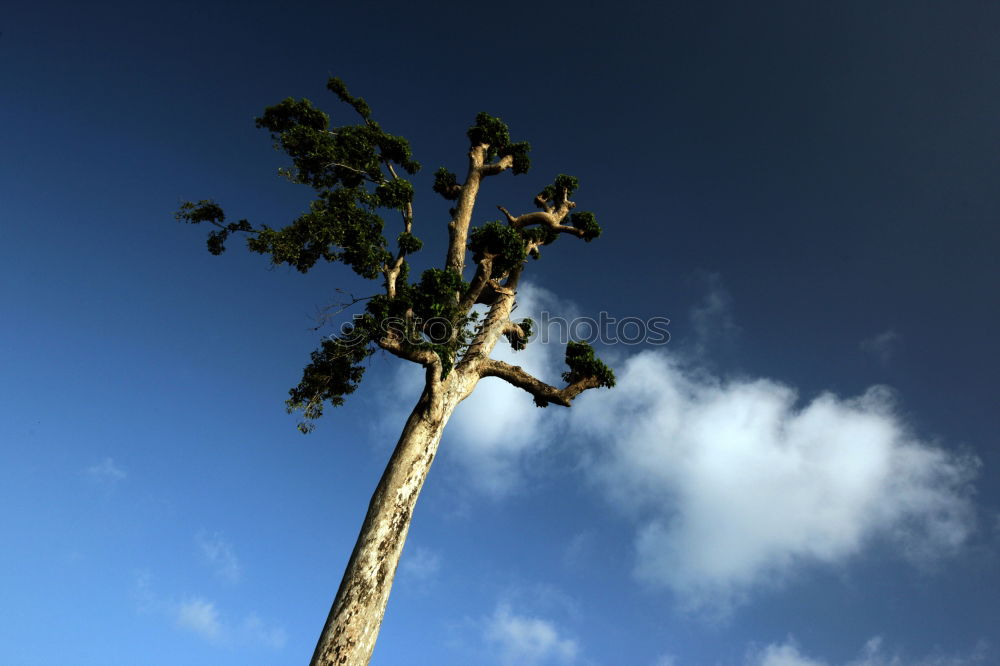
(351, 629)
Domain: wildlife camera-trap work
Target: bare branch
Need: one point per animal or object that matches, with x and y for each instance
(324, 315)
(458, 228)
(501, 165)
(550, 217)
(479, 282)
(543, 393)
(365, 174)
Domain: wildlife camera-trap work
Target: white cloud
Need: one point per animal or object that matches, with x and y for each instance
(734, 483)
(527, 641)
(421, 563)
(785, 654)
(255, 630)
(881, 346)
(107, 471)
(220, 555)
(201, 617)
(872, 654)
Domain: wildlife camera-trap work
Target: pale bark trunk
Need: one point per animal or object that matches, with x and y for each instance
(352, 627)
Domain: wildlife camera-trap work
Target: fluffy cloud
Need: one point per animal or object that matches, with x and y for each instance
(734, 483)
(498, 427)
(526, 640)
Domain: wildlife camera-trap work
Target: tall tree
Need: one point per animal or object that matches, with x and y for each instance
(355, 172)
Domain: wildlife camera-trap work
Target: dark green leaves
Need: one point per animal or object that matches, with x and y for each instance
(203, 211)
(560, 190)
(211, 212)
(501, 240)
(583, 364)
(408, 243)
(290, 113)
(345, 165)
(394, 194)
(334, 371)
(519, 152)
(494, 133)
(489, 130)
(339, 88)
(446, 184)
(340, 226)
(587, 223)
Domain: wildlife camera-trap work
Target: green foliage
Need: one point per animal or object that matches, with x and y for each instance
(446, 184)
(583, 363)
(339, 88)
(209, 211)
(561, 189)
(587, 223)
(501, 240)
(408, 243)
(354, 170)
(205, 210)
(494, 133)
(335, 370)
(519, 153)
(340, 226)
(394, 194)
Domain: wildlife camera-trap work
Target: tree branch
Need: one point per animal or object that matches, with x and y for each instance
(543, 393)
(458, 228)
(482, 277)
(501, 165)
(424, 357)
(550, 217)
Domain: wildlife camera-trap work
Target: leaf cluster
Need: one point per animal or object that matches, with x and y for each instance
(209, 211)
(494, 133)
(583, 364)
(504, 242)
(559, 191)
(334, 370)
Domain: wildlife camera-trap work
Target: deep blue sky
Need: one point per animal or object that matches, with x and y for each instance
(807, 190)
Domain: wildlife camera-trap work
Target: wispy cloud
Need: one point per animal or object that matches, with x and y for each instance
(107, 472)
(872, 654)
(420, 563)
(202, 617)
(881, 346)
(712, 320)
(734, 483)
(527, 640)
(220, 555)
(199, 616)
(257, 632)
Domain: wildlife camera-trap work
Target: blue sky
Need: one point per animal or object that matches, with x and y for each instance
(805, 474)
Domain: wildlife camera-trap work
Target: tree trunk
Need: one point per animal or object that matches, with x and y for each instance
(349, 635)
